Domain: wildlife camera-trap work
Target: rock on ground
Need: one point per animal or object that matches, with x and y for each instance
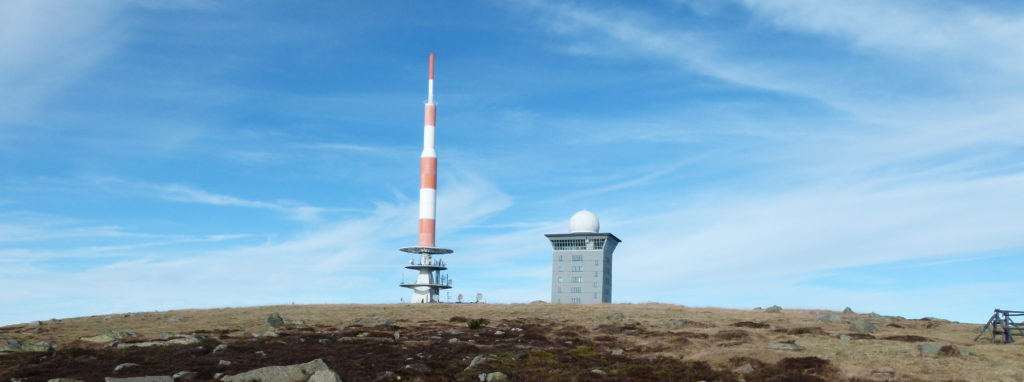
(18, 346)
(64, 380)
(293, 373)
(324, 376)
(275, 320)
(831, 317)
(185, 375)
(156, 378)
(938, 348)
(479, 361)
(848, 311)
(785, 346)
(617, 317)
(774, 309)
(862, 326)
(496, 376)
(128, 365)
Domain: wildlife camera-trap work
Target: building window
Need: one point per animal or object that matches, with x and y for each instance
(577, 268)
(559, 279)
(575, 290)
(569, 244)
(595, 285)
(559, 268)
(559, 289)
(560, 258)
(595, 273)
(577, 279)
(595, 294)
(595, 262)
(595, 243)
(577, 257)
(574, 300)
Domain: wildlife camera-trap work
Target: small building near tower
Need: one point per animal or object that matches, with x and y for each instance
(581, 264)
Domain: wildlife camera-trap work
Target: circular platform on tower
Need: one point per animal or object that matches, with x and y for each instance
(427, 250)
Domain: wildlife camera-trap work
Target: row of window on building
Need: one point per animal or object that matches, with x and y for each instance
(577, 244)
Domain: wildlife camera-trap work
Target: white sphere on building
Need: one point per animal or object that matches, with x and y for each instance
(584, 221)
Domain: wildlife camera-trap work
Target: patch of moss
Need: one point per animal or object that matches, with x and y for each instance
(585, 351)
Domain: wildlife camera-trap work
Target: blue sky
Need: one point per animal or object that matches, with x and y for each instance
(812, 154)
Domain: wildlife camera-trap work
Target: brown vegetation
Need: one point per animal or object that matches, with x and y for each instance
(528, 342)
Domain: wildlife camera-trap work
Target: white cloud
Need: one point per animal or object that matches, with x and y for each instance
(45, 45)
(341, 261)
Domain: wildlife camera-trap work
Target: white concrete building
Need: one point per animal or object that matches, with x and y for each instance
(581, 264)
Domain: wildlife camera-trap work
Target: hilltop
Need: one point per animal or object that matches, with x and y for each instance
(524, 342)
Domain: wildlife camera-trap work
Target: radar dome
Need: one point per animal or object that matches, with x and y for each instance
(584, 221)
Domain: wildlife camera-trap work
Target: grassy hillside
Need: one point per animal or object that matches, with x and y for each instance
(528, 341)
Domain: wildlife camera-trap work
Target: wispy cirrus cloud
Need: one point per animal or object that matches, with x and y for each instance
(341, 260)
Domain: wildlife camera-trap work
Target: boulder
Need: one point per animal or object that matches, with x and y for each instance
(275, 321)
(941, 349)
(15, 346)
(774, 309)
(108, 336)
(831, 317)
(479, 361)
(220, 349)
(294, 373)
(617, 317)
(185, 375)
(785, 346)
(862, 326)
(618, 351)
(223, 363)
(324, 376)
(848, 311)
(124, 366)
(152, 378)
(845, 337)
(496, 376)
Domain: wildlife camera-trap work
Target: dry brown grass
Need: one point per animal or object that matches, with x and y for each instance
(648, 331)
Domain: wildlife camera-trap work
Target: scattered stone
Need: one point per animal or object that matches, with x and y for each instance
(882, 374)
(363, 334)
(108, 336)
(758, 308)
(190, 339)
(272, 332)
(218, 376)
(479, 361)
(397, 335)
(294, 373)
(496, 376)
(220, 349)
(599, 372)
(845, 337)
(785, 346)
(324, 341)
(385, 321)
(261, 353)
(831, 317)
(324, 376)
(152, 378)
(618, 351)
(617, 317)
(223, 363)
(275, 320)
(15, 346)
(64, 380)
(498, 332)
(124, 366)
(185, 375)
(862, 326)
(453, 340)
(848, 311)
(941, 349)
(774, 309)
(746, 368)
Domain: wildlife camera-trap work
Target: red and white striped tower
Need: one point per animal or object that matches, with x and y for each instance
(429, 281)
